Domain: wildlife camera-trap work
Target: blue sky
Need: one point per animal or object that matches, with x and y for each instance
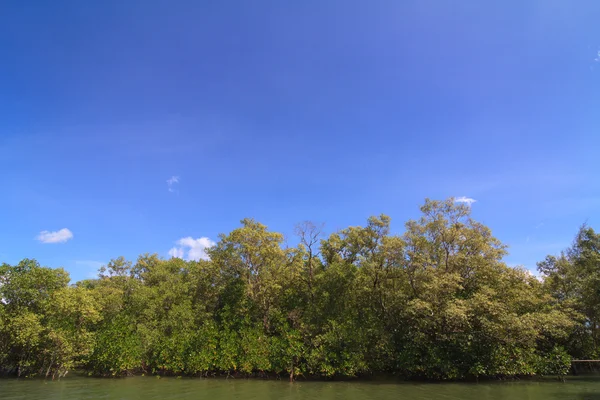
(284, 111)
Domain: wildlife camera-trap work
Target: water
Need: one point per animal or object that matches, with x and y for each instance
(150, 388)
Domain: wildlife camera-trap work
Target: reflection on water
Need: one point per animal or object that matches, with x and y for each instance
(149, 388)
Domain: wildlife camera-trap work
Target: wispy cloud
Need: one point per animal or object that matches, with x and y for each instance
(60, 236)
(596, 60)
(89, 263)
(91, 267)
(192, 249)
(171, 182)
(465, 200)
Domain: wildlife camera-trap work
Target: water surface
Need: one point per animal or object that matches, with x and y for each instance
(150, 388)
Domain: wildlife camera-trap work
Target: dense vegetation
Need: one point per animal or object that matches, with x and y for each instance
(436, 302)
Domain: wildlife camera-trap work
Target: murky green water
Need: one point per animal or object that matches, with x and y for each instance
(148, 388)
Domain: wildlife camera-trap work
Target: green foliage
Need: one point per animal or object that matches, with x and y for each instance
(555, 362)
(573, 280)
(436, 302)
(46, 327)
(117, 350)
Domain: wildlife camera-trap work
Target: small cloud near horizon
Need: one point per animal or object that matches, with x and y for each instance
(60, 236)
(91, 267)
(171, 182)
(466, 200)
(90, 263)
(189, 248)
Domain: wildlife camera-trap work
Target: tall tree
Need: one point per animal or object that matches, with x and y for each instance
(573, 278)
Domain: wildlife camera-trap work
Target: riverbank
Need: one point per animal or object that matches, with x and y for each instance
(366, 378)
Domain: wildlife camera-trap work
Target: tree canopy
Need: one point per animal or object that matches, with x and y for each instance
(435, 302)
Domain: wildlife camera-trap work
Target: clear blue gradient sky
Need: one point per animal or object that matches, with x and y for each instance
(284, 111)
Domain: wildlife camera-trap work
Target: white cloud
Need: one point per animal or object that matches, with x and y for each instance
(463, 199)
(171, 182)
(55, 237)
(534, 273)
(192, 249)
(176, 252)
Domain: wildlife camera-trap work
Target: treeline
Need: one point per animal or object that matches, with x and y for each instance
(436, 302)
